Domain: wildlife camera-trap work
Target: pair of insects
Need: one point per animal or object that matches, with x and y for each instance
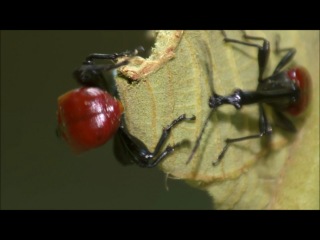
(89, 116)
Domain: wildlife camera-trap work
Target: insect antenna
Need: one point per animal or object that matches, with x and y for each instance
(208, 66)
(199, 137)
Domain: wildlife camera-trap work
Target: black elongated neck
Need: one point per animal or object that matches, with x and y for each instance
(240, 98)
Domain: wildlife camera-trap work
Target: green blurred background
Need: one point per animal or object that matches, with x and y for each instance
(38, 171)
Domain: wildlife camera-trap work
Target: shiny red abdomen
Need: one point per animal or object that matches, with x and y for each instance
(302, 79)
(88, 117)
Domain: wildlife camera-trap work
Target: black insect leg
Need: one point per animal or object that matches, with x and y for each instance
(112, 56)
(284, 122)
(138, 152)
(286, 58)
(169, 149)
(264, 126)
(263, 51)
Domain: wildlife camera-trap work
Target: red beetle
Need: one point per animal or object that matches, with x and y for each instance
(90, 116)
(285, 91)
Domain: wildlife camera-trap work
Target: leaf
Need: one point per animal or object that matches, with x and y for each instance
(283, 174)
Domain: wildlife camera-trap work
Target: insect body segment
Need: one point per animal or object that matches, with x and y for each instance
(301, 77)
(88, 117)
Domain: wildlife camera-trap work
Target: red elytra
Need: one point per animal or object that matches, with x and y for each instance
(88, 117)
(302, 79)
